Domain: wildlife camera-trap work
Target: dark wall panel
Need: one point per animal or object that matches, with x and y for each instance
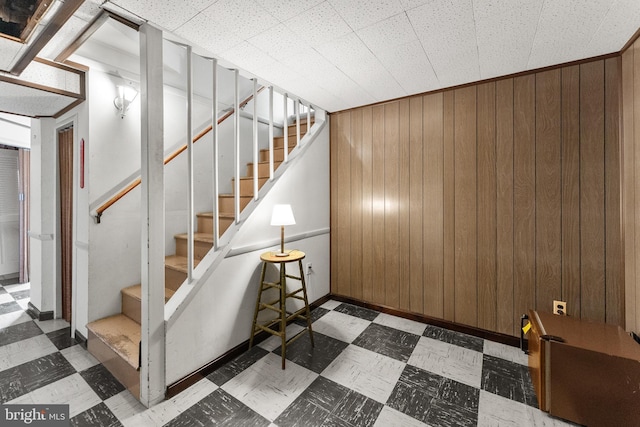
(476, 204)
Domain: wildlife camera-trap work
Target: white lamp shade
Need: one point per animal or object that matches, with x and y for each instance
(282, 215)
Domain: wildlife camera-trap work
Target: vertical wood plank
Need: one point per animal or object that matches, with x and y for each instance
(613, 262)
(628, 185)
(592, 246)
(404, 184)
(571, 189)
(333, 163)
(367, 204)
(636, 185)
(416, 260)
(378, 206)
(524, 193)
(449, 206)
(344, 203)
(487, 215)
(506, 318)
(391, 191)
(356, 205)
(465, 216)
(433, 185)
(548, 189)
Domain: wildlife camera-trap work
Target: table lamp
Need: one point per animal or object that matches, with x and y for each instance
(282, 215)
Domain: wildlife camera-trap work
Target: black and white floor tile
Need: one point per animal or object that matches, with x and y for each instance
(365, 369)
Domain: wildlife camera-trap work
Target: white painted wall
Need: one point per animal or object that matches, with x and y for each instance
(220, 317)
(43, 269)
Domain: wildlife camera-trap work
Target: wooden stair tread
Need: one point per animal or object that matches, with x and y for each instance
(197, 237)
(178, 263)
(228, 195)
(220, 214)
(121, 334)
(135, 291)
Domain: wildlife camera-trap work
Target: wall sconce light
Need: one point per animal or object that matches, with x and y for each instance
(282, 215)
(126, 95)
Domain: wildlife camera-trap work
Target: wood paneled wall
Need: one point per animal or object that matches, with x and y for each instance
(475, 204)
(631, 183)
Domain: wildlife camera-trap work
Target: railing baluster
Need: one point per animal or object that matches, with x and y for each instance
(308, 119)
(286, 129)
(214, 182)
(236, 145)
(255, 139)
(271, 154)
(297, 107)
(190, 207)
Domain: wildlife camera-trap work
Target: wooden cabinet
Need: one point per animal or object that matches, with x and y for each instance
(585, 372)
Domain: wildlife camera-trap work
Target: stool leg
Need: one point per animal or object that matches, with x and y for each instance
(306, 302)
(283, 310)
(255, 313)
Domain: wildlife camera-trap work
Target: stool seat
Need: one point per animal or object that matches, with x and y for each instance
(279, 305)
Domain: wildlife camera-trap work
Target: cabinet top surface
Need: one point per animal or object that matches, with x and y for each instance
(595, 336)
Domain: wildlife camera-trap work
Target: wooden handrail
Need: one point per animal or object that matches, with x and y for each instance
(133, 184)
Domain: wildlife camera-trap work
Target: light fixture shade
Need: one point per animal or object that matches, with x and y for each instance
(126, 94)
(282, 215)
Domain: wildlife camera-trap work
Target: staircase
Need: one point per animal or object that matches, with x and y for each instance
(115, 340)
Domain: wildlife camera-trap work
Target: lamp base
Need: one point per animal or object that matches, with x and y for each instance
(281, 254)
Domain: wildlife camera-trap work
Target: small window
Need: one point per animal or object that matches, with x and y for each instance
(18, 18)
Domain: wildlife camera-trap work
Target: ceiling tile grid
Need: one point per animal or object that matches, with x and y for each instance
(246, 18)
(564, 31)
(279, 42)
(318, 24)
(410, 67)
(446, 29)
(214, 38)
(287, 9)
(505, 30)
(362, 13)
(168, 14)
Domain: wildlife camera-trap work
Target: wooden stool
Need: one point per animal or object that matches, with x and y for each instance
(281, 308)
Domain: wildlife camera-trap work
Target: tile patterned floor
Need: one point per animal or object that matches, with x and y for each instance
(367, 369)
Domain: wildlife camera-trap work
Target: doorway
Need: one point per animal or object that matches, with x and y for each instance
(65, 160)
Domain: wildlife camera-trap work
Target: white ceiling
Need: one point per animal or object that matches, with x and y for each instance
(339, 54)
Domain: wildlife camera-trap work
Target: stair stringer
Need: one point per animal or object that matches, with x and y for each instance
(187, 291)
(214, 313)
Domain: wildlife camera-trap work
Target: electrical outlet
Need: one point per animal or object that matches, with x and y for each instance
(560, 307)
(308, 268)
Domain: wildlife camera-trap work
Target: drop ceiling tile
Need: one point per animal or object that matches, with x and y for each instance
(387, 34)
(214, 38)
(165, 13)
(279, 42)
(351, 55)
(247, 57)
(63, 37)
(362, 13)
(616, 29)
(31, 102)
(318, 24)
(505, 30)
(564, 30)
(286, 9)
(246, 18)
(410, 67)
(8, 51)
(446, 30)
(412, 4)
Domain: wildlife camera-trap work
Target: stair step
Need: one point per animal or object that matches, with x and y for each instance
(278, 141)
(226, 202)
(121, 334)
(278, 154)
(132, 301)
(202, 243)
(205, 220)
(246, 184)
(263, 168)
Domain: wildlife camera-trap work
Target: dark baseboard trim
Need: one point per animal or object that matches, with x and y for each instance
(80, 339)
(469, 330)
(36, 314)
(194, 377)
